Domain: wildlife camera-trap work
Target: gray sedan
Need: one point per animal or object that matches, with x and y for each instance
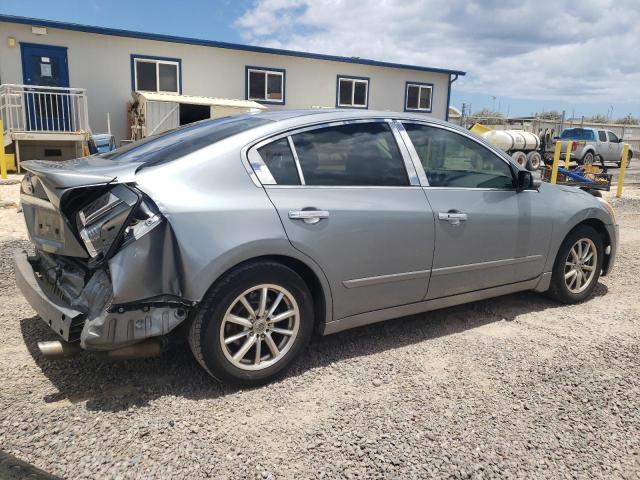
(246, 234)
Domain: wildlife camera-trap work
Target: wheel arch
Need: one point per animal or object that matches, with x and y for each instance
(599, 226)
(311, 275)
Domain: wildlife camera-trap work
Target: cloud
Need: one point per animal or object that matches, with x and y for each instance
(576, 51)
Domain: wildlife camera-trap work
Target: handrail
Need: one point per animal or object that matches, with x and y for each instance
(43, 109)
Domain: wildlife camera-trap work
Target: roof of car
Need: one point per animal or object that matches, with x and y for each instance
(327, 114)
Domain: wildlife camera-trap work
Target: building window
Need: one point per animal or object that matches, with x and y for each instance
(352, 92)
(155, 74)
(265, 85)
(418, 97)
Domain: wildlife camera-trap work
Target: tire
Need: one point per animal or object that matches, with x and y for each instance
(534, 161)
(520, 158)
(215, 322)
(587, 159)
(569, 291)
(628, 160)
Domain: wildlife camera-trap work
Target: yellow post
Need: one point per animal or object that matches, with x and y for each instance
(556, 160)
(3, 163)
(623, 168)
(567, 155)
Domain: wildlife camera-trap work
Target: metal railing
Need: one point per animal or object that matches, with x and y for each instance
(40, 109)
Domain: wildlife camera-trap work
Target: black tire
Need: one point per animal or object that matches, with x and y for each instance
(205, 331)
(558, 288)
(628, 160)
(588, 159)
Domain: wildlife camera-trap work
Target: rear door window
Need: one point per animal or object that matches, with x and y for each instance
(453, 160)
(279, 160)
(356, 154)
(602, 135)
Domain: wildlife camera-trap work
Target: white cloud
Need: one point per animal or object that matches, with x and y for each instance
(577, 51)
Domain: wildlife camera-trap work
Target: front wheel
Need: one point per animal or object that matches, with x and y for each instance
(578, 265)
(628, 160)
(252, 324)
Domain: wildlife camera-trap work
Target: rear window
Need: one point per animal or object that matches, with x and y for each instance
(577, 134)
(181, 141)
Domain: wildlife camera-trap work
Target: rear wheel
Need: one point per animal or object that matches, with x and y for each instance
(252, 324)
(578, 265)
(534, 160)
(588, 158)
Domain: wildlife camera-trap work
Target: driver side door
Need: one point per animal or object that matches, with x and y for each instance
(487, 233)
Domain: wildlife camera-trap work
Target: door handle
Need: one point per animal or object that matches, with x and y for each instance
(308, 216)
(454, 218)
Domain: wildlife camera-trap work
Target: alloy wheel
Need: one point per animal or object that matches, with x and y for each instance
(259, 327)
(580, 265)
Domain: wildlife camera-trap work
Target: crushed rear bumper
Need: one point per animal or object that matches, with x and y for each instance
(65, 321)
(92, 318)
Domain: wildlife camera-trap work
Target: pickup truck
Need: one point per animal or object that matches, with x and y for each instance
(593, 144)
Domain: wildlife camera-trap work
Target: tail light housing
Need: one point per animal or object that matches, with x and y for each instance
(116, 217)
(574, 146)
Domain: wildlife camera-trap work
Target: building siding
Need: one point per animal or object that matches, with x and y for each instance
(102, 64)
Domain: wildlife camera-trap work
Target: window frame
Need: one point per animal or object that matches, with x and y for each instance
(135, 58)
(420, 85)
(266, 70)
(422, 172)
(261, 176)
(353, 80)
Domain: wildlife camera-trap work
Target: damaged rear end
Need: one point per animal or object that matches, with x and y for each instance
(104, 273)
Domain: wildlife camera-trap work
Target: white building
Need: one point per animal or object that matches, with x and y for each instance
(96, 70)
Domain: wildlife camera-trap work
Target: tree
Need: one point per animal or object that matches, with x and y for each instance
(598, 118)
(484, 115)
(628, 120)
(552, 115)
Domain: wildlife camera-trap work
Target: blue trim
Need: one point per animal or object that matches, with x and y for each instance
(406, 95)
(265, 69)
(211, 43)
(351, 77)
(151, 57)
(64, 79)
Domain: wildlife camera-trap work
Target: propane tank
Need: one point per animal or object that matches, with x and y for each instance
(512, 140)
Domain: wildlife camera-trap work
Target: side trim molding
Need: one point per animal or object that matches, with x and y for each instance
(395, 277)
(481, 266)
(428, 305)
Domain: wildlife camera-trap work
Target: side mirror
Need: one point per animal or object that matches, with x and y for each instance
(526, 181)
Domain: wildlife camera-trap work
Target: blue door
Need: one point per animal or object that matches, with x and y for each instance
(47, 102)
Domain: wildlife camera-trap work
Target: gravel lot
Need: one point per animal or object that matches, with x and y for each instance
(510, 387)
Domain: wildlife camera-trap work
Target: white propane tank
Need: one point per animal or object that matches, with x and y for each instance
(512, 140)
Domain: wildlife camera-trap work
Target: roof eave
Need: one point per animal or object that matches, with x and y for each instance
(212, 43)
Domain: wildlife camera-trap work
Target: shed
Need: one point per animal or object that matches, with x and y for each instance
(153, 113)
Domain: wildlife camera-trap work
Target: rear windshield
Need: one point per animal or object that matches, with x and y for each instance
(181, 141)
(577, 134)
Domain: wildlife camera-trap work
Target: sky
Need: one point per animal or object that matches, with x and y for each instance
(521, 56)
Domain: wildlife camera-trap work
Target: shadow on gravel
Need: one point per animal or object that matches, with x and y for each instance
(114, 386)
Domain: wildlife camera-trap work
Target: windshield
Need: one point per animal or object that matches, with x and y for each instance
(181, 141)
(577, 134)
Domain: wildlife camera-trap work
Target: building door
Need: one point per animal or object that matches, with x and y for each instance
(47, 101)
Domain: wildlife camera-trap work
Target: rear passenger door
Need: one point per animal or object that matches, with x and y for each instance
(348, 197)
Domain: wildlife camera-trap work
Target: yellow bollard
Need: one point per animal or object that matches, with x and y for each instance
(3, 160)
(567, 155)
(623, 168)
(556, 160)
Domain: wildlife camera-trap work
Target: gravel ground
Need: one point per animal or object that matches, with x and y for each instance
(517, 386)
